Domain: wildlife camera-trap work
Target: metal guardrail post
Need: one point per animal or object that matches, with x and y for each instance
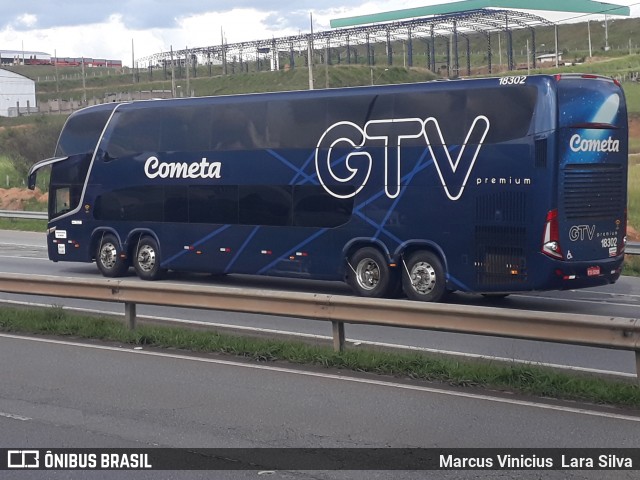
(338, 336)
(130, 314)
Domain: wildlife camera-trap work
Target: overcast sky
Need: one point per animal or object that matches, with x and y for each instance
(106, 28)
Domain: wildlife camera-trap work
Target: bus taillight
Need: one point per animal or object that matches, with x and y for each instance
(551, 238)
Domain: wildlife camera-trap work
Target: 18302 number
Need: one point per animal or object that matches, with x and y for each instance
(518, 80)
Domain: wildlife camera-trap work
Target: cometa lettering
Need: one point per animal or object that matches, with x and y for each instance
(154, 168)
(579, 144)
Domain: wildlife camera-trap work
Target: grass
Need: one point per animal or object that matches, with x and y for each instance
(23, 224)
(525, 379)
(9, 176)
(633, 194)
(631, 265)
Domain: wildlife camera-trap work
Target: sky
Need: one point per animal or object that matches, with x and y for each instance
(109, 29)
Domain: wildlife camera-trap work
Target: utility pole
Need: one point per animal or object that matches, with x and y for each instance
(173, 76)
(133, 64)
(84, 85)
(310, 53)
(55, 54)
(224, 53)
(188, 65)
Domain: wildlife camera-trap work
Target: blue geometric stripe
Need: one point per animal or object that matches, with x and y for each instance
(292, 250)
(199, 242)
(241, 249)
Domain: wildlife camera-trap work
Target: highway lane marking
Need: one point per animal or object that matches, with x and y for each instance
(14, 417)
(574, 300)
(21, 244)
(342, 378)
(355, 342)
(633, 295)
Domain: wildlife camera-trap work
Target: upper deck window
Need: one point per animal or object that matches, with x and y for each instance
(82, 131)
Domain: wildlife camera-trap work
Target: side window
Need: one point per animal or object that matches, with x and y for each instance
(67, 183)
(213, 204)
(265, 204)
(314, 207)
(269, 205)
(140, 204)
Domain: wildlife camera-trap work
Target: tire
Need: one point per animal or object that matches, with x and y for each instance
(146, 260)
(109, 257)
(369, 275)
(423, 277)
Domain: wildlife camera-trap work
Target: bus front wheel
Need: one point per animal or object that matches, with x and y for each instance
(423, 277)
(369, 274)
(109, 260)
(146, 261)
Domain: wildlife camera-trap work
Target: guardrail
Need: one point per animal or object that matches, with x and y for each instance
(598, 331)
(23, 214)
(633, 248)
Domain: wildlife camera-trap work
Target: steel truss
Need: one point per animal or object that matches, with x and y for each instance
(340, 45)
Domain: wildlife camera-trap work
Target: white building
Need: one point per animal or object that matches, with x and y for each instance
(17, 94)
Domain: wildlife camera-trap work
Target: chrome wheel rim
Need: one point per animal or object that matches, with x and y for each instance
(108, 255)
(368, 274)
(423, 278)
(146, 258)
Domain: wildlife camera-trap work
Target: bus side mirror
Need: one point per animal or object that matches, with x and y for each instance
(33, 172)
(32, 179)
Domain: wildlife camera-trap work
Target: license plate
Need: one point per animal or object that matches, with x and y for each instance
(593, 271)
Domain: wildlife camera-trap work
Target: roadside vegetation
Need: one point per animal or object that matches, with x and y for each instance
(518, 378)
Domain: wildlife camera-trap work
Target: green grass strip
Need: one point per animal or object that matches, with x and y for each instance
(23, 224)
(525, 379)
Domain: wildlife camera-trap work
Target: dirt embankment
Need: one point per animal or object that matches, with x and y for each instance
(16, 198)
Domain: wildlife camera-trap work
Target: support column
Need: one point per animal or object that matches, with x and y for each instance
(130, 314)
(432, 47)
(456, 59)
(409, 48)
(338, 336)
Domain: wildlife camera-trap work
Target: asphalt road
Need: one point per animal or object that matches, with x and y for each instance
(59, 394)
(22, 252)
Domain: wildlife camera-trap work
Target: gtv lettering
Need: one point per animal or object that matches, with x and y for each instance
(578, 232)
(358, 163)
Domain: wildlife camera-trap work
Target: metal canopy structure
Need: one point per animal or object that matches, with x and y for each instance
(572, 6)
(452, 25)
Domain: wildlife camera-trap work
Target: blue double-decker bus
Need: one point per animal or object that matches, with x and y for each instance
(490, 186)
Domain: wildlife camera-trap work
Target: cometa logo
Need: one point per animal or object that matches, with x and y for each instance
(154, 168)
(579, 144)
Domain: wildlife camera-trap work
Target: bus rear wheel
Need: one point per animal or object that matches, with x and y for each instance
(423, 277)
(109, 259)
(369, 274)
(146, 261)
